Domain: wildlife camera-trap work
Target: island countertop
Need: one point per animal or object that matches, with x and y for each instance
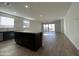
(28, 31)
(22, 31)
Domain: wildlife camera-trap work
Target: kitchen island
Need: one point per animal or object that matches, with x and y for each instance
(28, 39)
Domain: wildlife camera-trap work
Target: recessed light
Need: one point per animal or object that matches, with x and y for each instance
(26, 6)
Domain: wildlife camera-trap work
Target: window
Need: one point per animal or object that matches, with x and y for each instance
(26, 24)
(6, 22)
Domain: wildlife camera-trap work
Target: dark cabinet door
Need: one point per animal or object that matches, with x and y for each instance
(32, 41)
(1, 36)
(8, 35)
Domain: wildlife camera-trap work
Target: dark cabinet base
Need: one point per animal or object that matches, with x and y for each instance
(6, 35)
(32, 41)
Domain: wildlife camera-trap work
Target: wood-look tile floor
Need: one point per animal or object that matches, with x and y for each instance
(54, 44)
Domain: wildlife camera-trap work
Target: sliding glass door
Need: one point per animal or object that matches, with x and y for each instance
(48, 27)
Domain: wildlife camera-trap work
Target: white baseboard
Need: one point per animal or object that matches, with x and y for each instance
(73, 43)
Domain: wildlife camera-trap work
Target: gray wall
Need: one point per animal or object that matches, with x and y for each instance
(62, 25)
(18, 24)
(6, 15)
(71, 24)
(34, 26)
(57, 25)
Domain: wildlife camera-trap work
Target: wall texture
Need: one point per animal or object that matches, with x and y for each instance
(71, 24)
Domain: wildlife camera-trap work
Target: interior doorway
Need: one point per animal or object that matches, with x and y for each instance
(48, 27)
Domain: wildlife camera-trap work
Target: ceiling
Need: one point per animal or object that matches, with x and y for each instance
(38, 11)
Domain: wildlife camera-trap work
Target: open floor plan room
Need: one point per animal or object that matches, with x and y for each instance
(39, 29)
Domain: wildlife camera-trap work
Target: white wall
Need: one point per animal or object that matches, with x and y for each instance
(18, 24)
(71, 24)
(57, 25)
(34, 26)
(6, 15)
(62, 25)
